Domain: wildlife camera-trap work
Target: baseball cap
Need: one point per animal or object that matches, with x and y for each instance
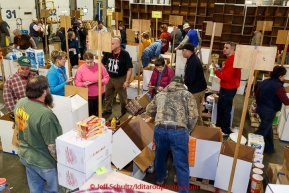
(177, 79)
(24, 61)
(189, 46)
(186, 25)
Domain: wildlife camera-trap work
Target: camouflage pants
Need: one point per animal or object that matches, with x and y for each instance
(199, 97)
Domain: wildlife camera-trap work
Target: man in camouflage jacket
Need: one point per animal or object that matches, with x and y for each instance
(175, 112)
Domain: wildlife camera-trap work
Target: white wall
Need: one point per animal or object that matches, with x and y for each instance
(10, 11)
(61, 7)
(86, 4)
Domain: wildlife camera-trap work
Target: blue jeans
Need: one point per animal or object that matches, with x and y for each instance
(224, 109)
(35, 40)
(123, 46)
(41, 180)
(267, 116)
(177, 139)
(145, 59)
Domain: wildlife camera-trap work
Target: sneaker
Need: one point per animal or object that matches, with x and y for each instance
(162, 182)
(225, 134)
(106, 112)
(151, 169)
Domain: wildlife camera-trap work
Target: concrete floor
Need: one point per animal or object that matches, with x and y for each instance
(14, 171)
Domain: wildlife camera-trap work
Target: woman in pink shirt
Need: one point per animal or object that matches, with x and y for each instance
(87, 76)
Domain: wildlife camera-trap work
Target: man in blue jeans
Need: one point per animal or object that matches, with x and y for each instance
(175, 112)
(38, 127)
(230, 78)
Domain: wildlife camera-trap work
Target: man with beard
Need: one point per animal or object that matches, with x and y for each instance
(38, 128)
(14, 87)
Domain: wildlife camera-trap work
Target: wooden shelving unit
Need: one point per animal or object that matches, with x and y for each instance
(238, 19)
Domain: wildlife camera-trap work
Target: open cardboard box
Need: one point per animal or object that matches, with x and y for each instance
(10, 143)
(130, 142)
(71, 108)
(208, 147)
(243, 167)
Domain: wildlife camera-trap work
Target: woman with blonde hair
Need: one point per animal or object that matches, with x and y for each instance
(87, 76)
(56, 75)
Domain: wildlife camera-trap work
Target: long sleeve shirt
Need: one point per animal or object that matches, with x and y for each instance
(15, 89)
(71, 44)
(57, 79)
(84, 74)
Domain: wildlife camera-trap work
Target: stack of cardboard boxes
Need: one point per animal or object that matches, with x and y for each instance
(78, 159)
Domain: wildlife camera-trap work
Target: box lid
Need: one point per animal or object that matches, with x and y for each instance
(246, 153)
(69, 103)
(207, 133)
(144, 159)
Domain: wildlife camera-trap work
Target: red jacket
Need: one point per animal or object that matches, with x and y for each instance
(165, 79)
(230, 77)
(167, 36)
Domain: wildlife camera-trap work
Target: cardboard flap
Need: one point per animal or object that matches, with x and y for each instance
(246, 153)
(144, 100)
(76, 102)
(72, 90)
(139, 132)
(285, 157)
(144, 159)
(6, 117)
(207, 133)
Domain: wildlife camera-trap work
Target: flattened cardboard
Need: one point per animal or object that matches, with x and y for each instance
(73, 90)
(145, 25)
(282, 36)
(92, 40)
(268, 27)
(144, 159)
(176, 20)
(65, 21)
(44, 13)
(218, 29)
(207, 133)
(117, 15)
(246, 153)
(265, 58)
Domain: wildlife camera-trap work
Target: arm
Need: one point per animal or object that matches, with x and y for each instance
(105, 76)
(281, 93)
(54, 84)
(227, 72)
(52, 150)
(63, 46)
(8, 98)
(36, 28)
(257, 94)
(78, 78)
(151, 108)
(199, 37)
(193, 112)
(32, 43)
(185, 40)
(76, 47)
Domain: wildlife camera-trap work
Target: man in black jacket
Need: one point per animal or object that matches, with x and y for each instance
(194, 77)
(80, 36)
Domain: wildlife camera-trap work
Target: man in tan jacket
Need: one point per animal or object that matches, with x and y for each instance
(256, 40)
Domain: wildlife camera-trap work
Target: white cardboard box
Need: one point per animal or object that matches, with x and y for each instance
(72, 179)
(147, 74)
(243, 167)
(10, 67)
(80, 154)
(133, 51)
(129, 141)
(6, 134)
(277, 188)
(283, 127)
(208, 147)
(69, 110)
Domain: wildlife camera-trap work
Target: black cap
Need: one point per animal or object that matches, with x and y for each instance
(189, 46)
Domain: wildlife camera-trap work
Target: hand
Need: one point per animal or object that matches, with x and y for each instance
(177, 48)
(85, 84)
(279, 55)
(69, 80)
(150, 89)
(125, 84)
(160, 88)
(71, 49)
(79, 56)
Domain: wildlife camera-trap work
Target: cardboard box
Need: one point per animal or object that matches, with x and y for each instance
(282, 179)
(72, 179)
(6, 134)
(43, 70)
(285, 157)
(243, 167)
(131, 140)
(208, 147)
(81, 155)
(277, 188)
(70, 110)
(272, 172)
(283, 127)
(10, 67)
